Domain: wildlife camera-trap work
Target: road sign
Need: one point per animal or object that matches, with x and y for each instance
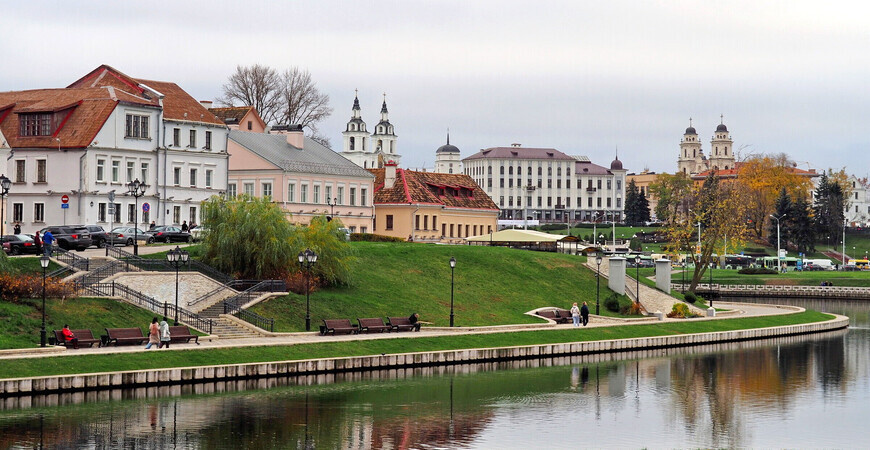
(146, 207)
(111, 208)
(64, 206)
(64, 199)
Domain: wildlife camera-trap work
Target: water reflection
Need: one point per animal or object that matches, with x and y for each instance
(804, 391)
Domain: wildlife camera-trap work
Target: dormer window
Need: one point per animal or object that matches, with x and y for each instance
(38, 124)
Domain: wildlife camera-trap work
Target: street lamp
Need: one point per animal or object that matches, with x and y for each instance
(136, 189)
(307, 259)
(43, 261)
(331, 206)
(452, 266)
(778, 258)
(597, 282)
(177, 257)
(5, 184)
(637, 278)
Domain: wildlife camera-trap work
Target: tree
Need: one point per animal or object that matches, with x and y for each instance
(828, 212)
(763, 177)
(783, 210)
(636, 205)
(802, 234)
(672, 191)
(302, 103)
(257, 86)
(335, 254)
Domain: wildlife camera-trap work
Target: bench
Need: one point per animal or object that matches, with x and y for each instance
(336, 326)
(372, 325)
(85, 337)
(402, 324)
(122, 336)
(182, 333)
(556, 315)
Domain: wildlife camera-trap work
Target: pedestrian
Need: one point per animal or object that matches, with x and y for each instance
(47, 240)
(16, 229)
(184, 226)
(584, 312)
(575, 314)
(152, 226)
(164, 333)
(69, 337)
(37, 241)
(153, 334)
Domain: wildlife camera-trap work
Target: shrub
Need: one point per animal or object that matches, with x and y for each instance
(680, 310)
(612, 303)
(756, 271)
(368, 237)
(632, 309)
(296, 283)
(690, 297)
(18, 286)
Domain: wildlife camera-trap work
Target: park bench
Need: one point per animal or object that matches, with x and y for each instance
(402, 324)
(122, 336)
(336, 326)
(372, 325)
(85, 337)
(181, 333)
(556, 315)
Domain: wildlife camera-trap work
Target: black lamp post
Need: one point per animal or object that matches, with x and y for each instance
(5, 184)
(137, 189)
(43, 261)
(307, 259)
(452, 266)
(331, 202)
(177, 257)
(637, 277)
(597, 282)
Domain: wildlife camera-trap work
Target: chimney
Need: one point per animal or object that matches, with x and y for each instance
(293, 133)
(206, 103)
(516, 145)
(389, 174)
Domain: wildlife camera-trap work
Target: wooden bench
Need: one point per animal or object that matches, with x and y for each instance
(555, 316)
(402, 324)
(372, 325)
(122, 336)
(182, 333)
(336, 326)
(85, 337)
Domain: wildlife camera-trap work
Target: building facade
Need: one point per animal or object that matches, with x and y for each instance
(858, 207)
(692, 160)
(448, 159)
(242, 118)
(548, 185)
(369, 151)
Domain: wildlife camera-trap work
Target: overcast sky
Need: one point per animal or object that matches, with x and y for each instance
(582, 77)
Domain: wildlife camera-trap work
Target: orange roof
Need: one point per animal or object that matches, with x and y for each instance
(733, 173)
(427, 187)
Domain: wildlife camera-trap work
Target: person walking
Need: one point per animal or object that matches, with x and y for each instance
(164, 333)
(575, 314)
(37, 241)
(16, 229)
(47, 241)
(152, 226)
(584, 313)
(184, 226)
(153, 334)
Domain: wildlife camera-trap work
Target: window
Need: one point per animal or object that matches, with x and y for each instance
(599, 184)
(361, 229)
(618, 184)
(39, 212)
(40, 172)
(131, 167)
(116, 171)
(117, 218)
(18, 212)
(131, 213)
(207, 140)
(176, 176)
(144, 167)
(176, 214)
(231, 190)
(599, 202)
(608, 202)
(608, 183)
(303, 193)
(328, 194)
(136, 126)
(267, 189)
(352, 196)
(316, 194)
(192, 177)
(434, 222)
(208, 177)
(176, 137)
(192, 216)
(291, 192)
(426, 222)
(101, 212)
(35, 124)
(589, 202)
(249, 189)
(250, 125)
(416, 221)
(362, 197)
(619, 202)
(389, 220)
(101, 169)
(340, 196)
(192, 143)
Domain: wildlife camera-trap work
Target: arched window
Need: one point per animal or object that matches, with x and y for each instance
(694, 153)
(392, 146)
(489, 170)
(558, 171)
(511, 170)
(352, 143)
(540, 171)
(726, 150)
(501, 170)
(365, 164)
(530, 170)
(380, 144)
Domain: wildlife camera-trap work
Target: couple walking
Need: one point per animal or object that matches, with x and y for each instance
(158, 334)
(580, 313)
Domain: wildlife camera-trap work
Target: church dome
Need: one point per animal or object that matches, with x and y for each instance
(721, 127)
(691, 130)
(447, 148)
(616, 164)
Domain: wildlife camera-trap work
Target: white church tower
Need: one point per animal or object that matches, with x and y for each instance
(369, 152)
(721, 148)
(384, 138)
(447, 158)
(691, 155)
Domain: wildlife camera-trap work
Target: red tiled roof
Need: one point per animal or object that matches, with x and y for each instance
(232, 114)
(425, 187)
(520, 153)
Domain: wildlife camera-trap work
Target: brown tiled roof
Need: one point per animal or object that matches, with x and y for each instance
(587, 168)
(425, 187)
(232, 114)
(520, 153)
(177, 102)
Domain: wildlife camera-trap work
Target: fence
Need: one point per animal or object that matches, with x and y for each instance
(234, 304)
(70, 259)
(767, 290)
(164, 308)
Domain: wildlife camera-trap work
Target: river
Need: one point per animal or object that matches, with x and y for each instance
(805, 391)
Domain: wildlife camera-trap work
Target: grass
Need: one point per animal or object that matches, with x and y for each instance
(492, 286)
(28, 367)
(28, 265)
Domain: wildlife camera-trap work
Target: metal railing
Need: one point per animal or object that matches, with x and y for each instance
(161, 265)
(70, 259)
(165, 308)
(97, 275)
(250, 317)
(232, 284)
(59, 271)
(234, 304)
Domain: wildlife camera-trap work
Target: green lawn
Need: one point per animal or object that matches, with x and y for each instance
(27, 367)
(29, 265)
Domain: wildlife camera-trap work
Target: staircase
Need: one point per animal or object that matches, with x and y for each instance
(225, 328)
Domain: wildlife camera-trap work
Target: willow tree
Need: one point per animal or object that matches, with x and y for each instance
(335, 255)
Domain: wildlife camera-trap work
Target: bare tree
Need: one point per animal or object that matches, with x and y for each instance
(301, 102)
(257, 86)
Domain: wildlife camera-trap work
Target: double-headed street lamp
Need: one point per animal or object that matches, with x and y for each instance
(597, 281)
(452, 266)
(137, 189)
(331, 202)
(177, 257)
(43, 261)
(307, 259)
(637, 278)
(5, 184)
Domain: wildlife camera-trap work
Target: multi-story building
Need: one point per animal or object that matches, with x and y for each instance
(858, 203)
(4, 157)
(548, 185)
(100, 133)
(366, 151)
(304, 177)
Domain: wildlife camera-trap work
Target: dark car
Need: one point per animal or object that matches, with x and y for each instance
(70, 237)
(166, 233)
(125, 236)
(19, 244)
(98, 235)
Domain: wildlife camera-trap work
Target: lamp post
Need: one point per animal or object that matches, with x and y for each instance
(843, 266)
(177, 257)
(136, 189)
(5, 184)
(597, 282)
(332, 203)
(637, 278)
(43, 261)
(452, 266)
(778, 258)
(307, 259)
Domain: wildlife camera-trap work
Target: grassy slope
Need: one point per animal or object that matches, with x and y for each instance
(493, 286)
(150, 360)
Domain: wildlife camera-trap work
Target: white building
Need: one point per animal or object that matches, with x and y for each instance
(447, 158)
(366, 151)
(858, 203)
(98, 134)
(548, 185)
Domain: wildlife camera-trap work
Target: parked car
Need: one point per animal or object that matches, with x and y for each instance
(98, 235)
(125, 236)
(70, 236)
(198, 233)
(19, 244)
(167, 233)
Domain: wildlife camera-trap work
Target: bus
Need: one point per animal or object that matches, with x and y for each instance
(772, 262)
(738, 261)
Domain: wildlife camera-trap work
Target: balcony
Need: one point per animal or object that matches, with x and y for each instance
(591, 189)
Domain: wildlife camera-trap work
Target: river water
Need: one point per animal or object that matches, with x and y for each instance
(808, 391)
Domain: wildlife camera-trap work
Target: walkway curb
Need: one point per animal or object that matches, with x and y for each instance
(186, 375)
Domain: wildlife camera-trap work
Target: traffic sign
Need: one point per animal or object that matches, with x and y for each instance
(64, 199)
(64, 206)
(111, 208)
(146, 207)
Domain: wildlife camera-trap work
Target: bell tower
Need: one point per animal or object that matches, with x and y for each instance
(384, 136)
(356, 138)
(721, 148)
(690, 151)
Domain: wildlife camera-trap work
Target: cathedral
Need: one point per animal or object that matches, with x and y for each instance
(692, 160)
(369, 152)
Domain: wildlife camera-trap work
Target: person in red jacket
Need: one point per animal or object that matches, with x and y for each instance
(69, 337)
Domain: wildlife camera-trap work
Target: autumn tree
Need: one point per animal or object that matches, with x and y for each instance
(762, 178)
(671, 192)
